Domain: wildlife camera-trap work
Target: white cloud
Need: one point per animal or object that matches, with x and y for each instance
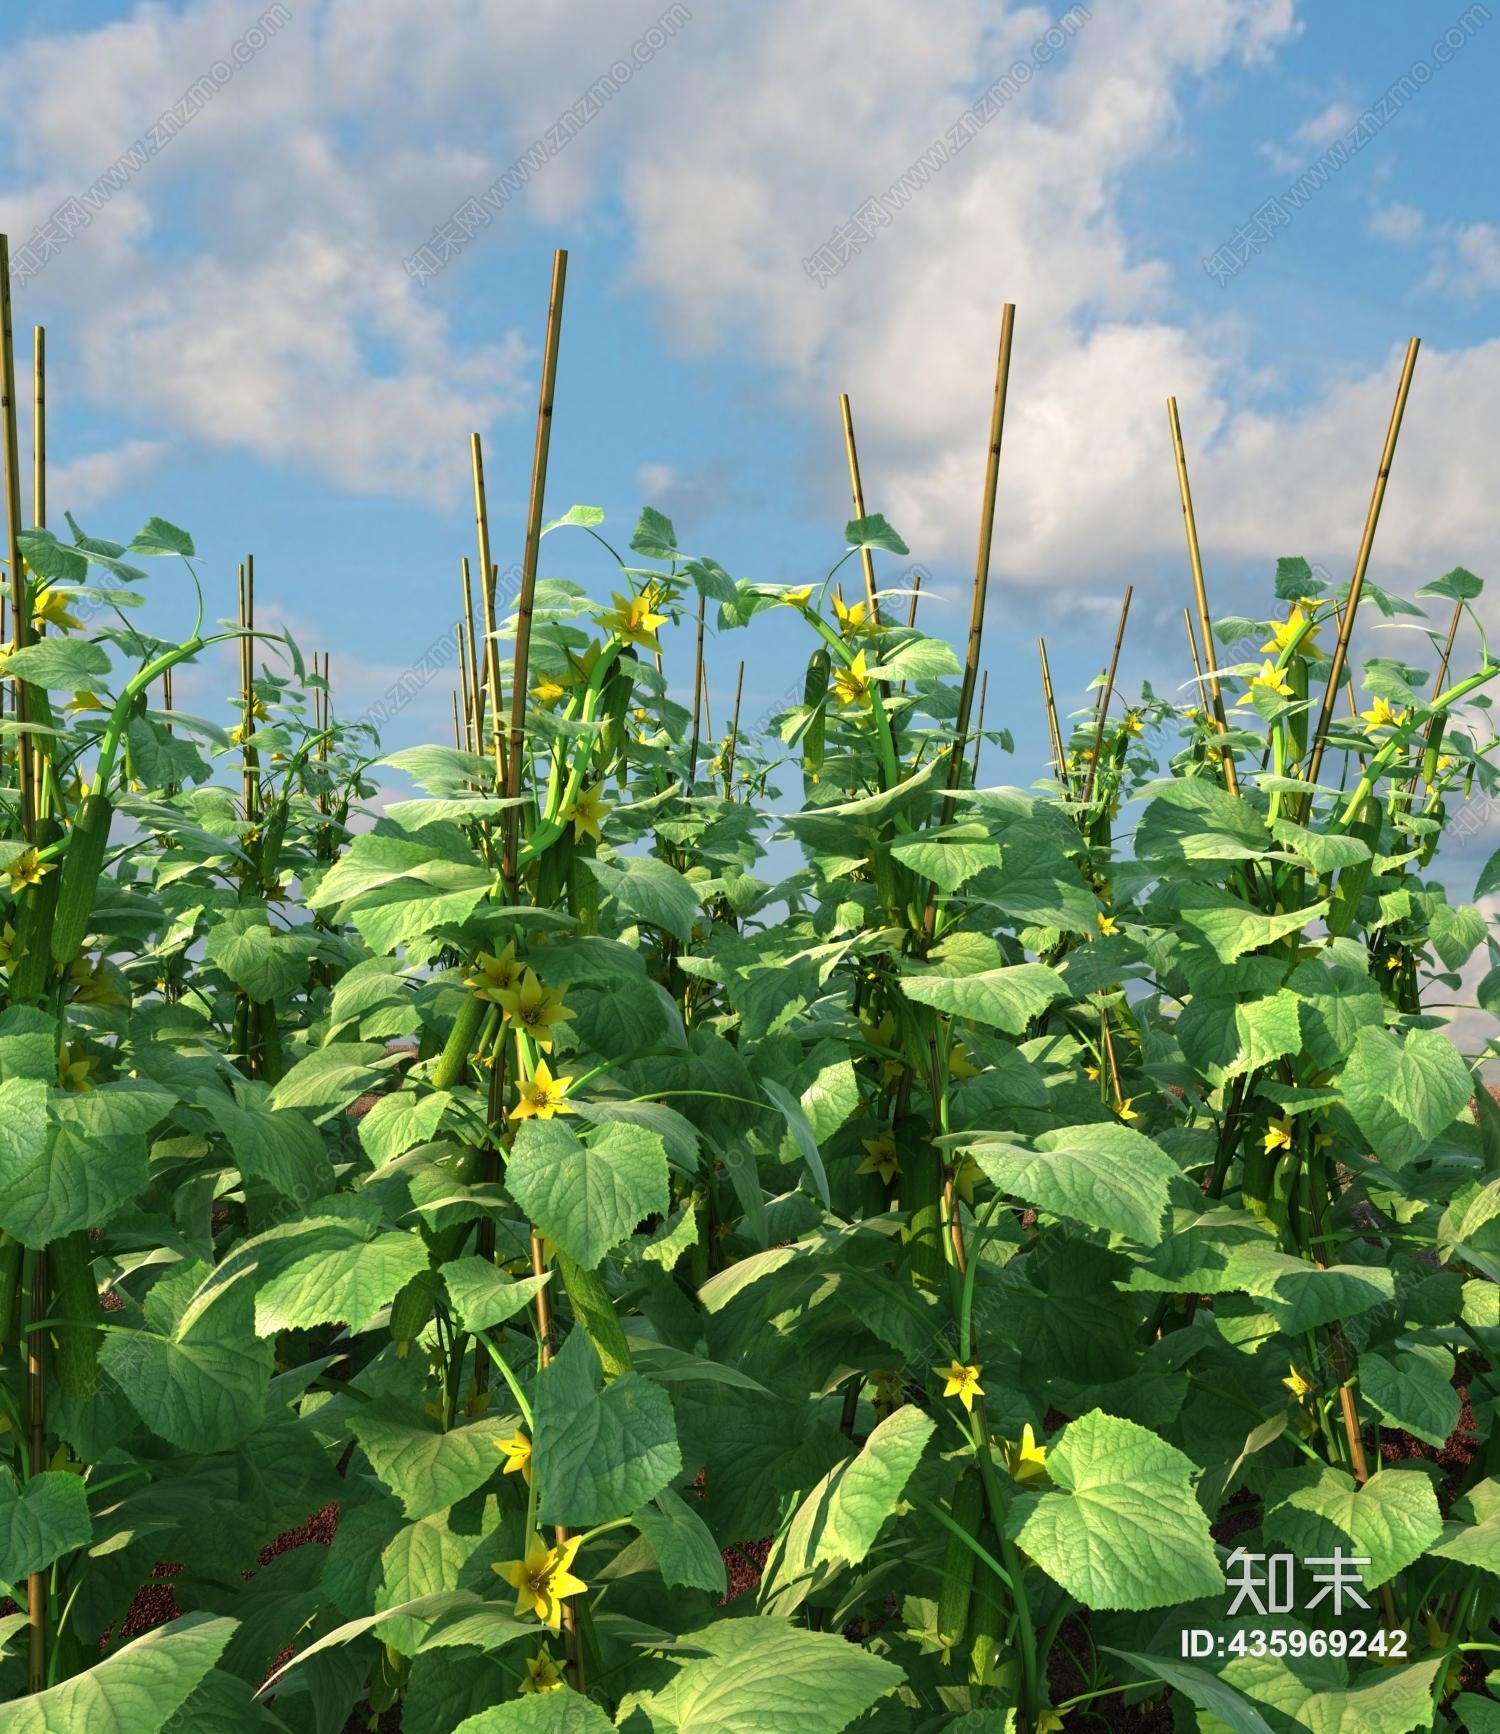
(1467, 262)
(1398, 222)
(84, 481)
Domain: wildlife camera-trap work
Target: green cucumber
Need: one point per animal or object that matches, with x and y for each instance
(814, 735)
(595, 1312)
(454, 1059)
(36, 914)
(1352, 881)
(75, 1294)
(79, 878)
(11, 1255)
(959, 1560)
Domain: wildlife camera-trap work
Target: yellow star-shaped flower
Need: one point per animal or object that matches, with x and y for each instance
(49, 607)
(961, 1382)
(544, 1579)
(798, 598)
(534, 1008)
(1026, 1461)
(1107, 925)
(541, 1095)
(495, 976)
(541, 1674)
(1279, 1135)
(1271, 678)
(1380, 714)
(852, 621)
(26, 870)
(1299, 1384)
(882, 1158)
(587, 813)
(851, 685)
(633, 620)
(1283, 632)
(1125, 1111)
(517, 1451)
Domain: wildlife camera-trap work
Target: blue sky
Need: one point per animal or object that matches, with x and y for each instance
(235, 344)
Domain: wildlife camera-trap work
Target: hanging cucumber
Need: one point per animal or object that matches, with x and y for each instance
(1353, 880)
(815, 697)
(413, 1307)
(79, 877)
(36, 914)
(595, 1312)
(460, 1043)
(76, 1301)
(959, 1560)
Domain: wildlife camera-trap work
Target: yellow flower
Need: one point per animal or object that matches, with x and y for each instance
(544, 1579)
(960, 1066)
(882, 1158)
(1107, 925)
(27, 870)
(632, 619)
(517, 1451)
(541, 1674)
(1279, 1136)
(541, 1095)
(1380, 714)
(1026, 1461)
(965, 1176)
(93, 984)
(73, 1074)
(851, 685)
(1125, 1111)
(1132, 723)
(798, 598)
(1271, 679)
(534, 1008)
(852, 621)
(82, 701)
(1049, 1721)
(7, 940)
(1284, 632)
(1299, 1384)
(588, 813)
(49, 607)
(548, 689)
(496, 975)
(962, 1382)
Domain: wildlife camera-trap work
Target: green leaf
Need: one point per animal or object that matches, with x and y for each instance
(399, 1122)
(1459, 585)
(138, 1690)
(40, 1522)
(1315, 1694)
(426, 1469)
(483, 1297)
(654, 536)
(1103, 1176)
(686, 1553)
(1402, 1095)
(330, 1077)
(345, 1280)
(280, 1148)
(542, 1713)
(267, 965)
(202, 1386)
(1006, 999)
(588, 1196)
(712, 581)
(49, 558)
(651, 891)
(760, 1675)
(599, 1455)
(1223, 1038)
(59, 664)
(1230, 929)
(1205, 1690)
(1124, 1530)
(1455, 931)
(872, 531)
(918, 659)
(1412, 1389)
(1295, 581)
(1391, 1521)
(801, 1131)
(950, 859)
(1472, 1534)
(587, 516)
(160, 537)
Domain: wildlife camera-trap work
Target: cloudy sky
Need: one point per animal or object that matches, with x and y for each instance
(266, 324)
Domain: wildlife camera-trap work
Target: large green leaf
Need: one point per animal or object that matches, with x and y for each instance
(203, 1385)
(542, 1713)
(483, 1296)
(60, 664)
(1124, 1529)
(1103, 1176)
(1472, 1534)
(1403, 1094)
(340, 1279)
(54, 1177)
(330, 1077)
(1413, 1389)
(651, 891)
(426, 1468)
(1391, 1521)
(686, 1552)
(266, 964)
(599, 1455)
(138, 1690)
(40, 1522)
(763, 1676)
(1006, 999)
(1317, 1695)
(1206, 1690)
(587, 1196)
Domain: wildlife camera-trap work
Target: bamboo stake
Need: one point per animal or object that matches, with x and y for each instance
(857, 493)
(20, 607)
(982, 563)
(512, 816)
(708, 715)
(39, 427)
(1106, 694)
(734, 732)
(487, 604)
(476, 689)
(916, 596)
(463, 685)
(1362, 562)
(1200, 594)
(697, 698)
(984, 689)
(1192, 638)
(458, 739)
(1054, 733)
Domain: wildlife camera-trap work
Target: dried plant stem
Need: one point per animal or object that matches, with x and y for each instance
(512, 817)
(1054, 733)
(734, 732)
(20, 607)
(1106, 694)
(476, 686)
(916, 597)
(692, 775)
(857, 493)
(1362, 561)
(1200, 596)
(487, 603)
